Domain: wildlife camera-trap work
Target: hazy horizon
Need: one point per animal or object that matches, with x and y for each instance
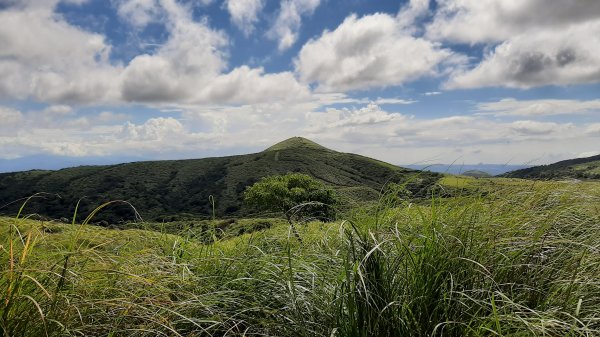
(52, 162)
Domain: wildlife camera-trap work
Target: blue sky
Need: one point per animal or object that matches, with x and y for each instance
(408, 82)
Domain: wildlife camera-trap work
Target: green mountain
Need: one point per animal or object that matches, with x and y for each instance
(183, 188)
(476, 174)
(580, 168)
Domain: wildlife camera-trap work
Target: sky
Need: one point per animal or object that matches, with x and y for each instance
(407, 82)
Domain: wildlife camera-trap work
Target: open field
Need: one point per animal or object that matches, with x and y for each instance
(499, 257)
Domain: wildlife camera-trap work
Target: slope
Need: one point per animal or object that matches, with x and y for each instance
(580, 168)
(182, 188)
(476, 174)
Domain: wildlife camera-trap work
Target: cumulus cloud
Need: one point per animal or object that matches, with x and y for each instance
(60, 118)
(373, 125)
(287, 25)
(367, 129)
(413, 10)
(212, 104)
(481, 21)
(244, 13)
(52, 130)
(45, 58)
(139, 13)
(538, 42)
(248, 85)
(190, 66)
(49, 131)
(343, 118)
(528, 128)
(371, 51)
(189, 59)
(560, 57)
(154, 129)
(540, 107)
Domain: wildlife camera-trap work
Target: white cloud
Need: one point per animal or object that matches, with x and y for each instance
(407, 139)
(327, 99)
(553, 56)
(198, 131)
(247, 85)
(482, 21)
(139, 13)
(287, 25)
(593, 129)
(154, 129)
(541, 107)
(44, 57)
(534, 42)
(373, 125)
(394, 101)
(101, 134)
(188, 60)
(209, 105)
(58, 111)
(534, 128)
(244, 13)
(371, 51)
(109, 117)
(345, 117)
(10, 118)
(413, 10)
(190, 66)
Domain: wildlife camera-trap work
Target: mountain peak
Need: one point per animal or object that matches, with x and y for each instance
(295, 143)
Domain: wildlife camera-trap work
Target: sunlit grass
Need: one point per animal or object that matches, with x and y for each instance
(513, 259)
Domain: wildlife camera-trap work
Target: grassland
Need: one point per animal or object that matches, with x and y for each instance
(497, 257)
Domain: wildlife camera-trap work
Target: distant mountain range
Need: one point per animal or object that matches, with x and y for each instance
(491, 169)
(183, 188)
(53, 162)
(580, 168)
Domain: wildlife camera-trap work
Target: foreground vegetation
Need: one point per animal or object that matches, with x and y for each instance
(490, 258)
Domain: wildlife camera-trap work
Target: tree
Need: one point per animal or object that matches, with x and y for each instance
(294, 194)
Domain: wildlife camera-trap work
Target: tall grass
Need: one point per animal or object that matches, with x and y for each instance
(520, 266)
(514, 260)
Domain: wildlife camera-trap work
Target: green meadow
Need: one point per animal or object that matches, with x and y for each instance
(478, 257)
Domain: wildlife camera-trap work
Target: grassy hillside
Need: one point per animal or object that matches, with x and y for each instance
(181, 188)
(519, 260)
(580, 168)
(476, 174)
